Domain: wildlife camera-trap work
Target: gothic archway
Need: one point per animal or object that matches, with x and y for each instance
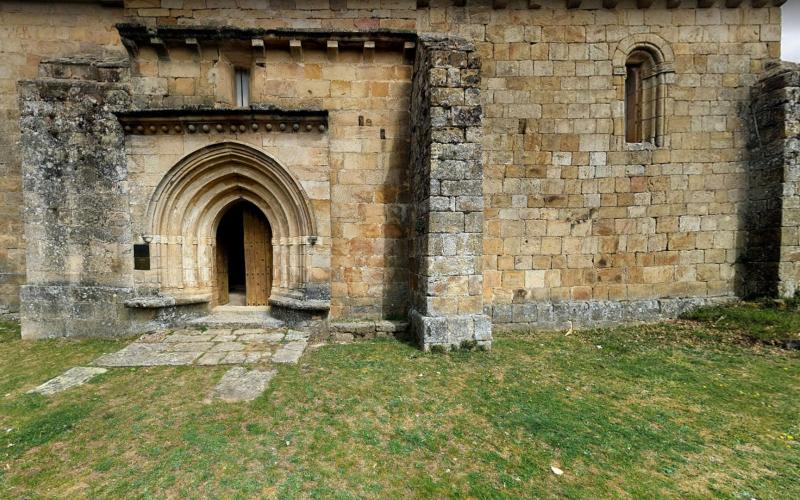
(188, 204)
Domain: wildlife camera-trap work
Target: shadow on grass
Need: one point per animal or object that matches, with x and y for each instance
(772, 322)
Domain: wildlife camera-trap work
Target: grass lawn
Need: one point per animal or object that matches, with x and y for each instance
(676, 409)
(775, 322)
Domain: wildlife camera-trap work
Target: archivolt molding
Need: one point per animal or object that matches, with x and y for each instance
(186, 208)
(654, 44)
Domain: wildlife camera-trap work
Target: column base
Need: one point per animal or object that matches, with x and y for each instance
(452, 332)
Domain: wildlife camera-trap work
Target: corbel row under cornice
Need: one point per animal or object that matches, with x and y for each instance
(570, 4)
(163, 38)
(642, 4)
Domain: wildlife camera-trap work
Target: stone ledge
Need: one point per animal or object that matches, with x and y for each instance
(366, 329)
(300, 304)
(161, 301)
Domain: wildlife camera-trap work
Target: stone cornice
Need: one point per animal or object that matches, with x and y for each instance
(222, 121)
(138, 35)
(641, 4)
(570, 4)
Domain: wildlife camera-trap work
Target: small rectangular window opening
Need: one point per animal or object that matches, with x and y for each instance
(141, 257)
(242, 77)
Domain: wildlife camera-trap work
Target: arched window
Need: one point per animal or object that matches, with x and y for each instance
(644, 98)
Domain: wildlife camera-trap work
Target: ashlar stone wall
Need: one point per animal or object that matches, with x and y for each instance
(358, 174)
(577, 224)
(447, 186)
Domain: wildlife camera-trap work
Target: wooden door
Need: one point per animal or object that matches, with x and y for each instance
(257, 257)
(222, 273)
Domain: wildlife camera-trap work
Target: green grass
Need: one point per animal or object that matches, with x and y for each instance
(768, 321)
(679, 409)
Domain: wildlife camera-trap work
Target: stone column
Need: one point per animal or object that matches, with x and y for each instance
(76, 207)
(770, 257)
(447, 204)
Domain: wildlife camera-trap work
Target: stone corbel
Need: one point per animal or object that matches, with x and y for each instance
(369, 51)
(160, 47)
(333, 50)
(131, 46)
(193, 43)
(296, 49)
(259, 51)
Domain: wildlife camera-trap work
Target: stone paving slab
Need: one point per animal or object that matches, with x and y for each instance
(188, 338)
(211, 347)
(290, 352)
(143, 358)
(212, 358)
(240, 384)
(67, 380)
(270, 338)
(190, 346)
(227, 346)
(297, 335)
(227, 337)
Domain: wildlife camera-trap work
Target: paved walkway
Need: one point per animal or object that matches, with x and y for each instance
(220, 346)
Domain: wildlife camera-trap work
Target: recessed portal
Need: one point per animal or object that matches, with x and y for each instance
(244, 256)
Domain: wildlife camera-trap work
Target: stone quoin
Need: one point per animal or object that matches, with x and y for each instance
(461, 167)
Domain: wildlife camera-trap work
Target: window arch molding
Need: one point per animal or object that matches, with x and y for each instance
(650, 59)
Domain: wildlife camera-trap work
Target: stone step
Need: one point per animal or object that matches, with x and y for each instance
(237, 317)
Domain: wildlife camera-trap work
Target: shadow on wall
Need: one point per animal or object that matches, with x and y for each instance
(764, 229)
(396, 233)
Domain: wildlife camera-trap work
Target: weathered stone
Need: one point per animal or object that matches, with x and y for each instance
(69, 379)
(290, 352)
(293, 335)
(239, 384)
(183, 338)
(189, 346)
(147, 357)
(270, 338)
(211, 358)
(227, 346)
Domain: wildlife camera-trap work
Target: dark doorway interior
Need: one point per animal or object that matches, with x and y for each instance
(244, 256)
(231, 235)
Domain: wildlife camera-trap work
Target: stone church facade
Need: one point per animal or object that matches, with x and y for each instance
(460, 165)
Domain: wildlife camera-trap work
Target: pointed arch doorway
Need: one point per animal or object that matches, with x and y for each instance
(186, 212)
(243, 256)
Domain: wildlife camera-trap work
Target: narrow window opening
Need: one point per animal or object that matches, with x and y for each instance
(644, 99)
(242, 77)
(633, 103)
